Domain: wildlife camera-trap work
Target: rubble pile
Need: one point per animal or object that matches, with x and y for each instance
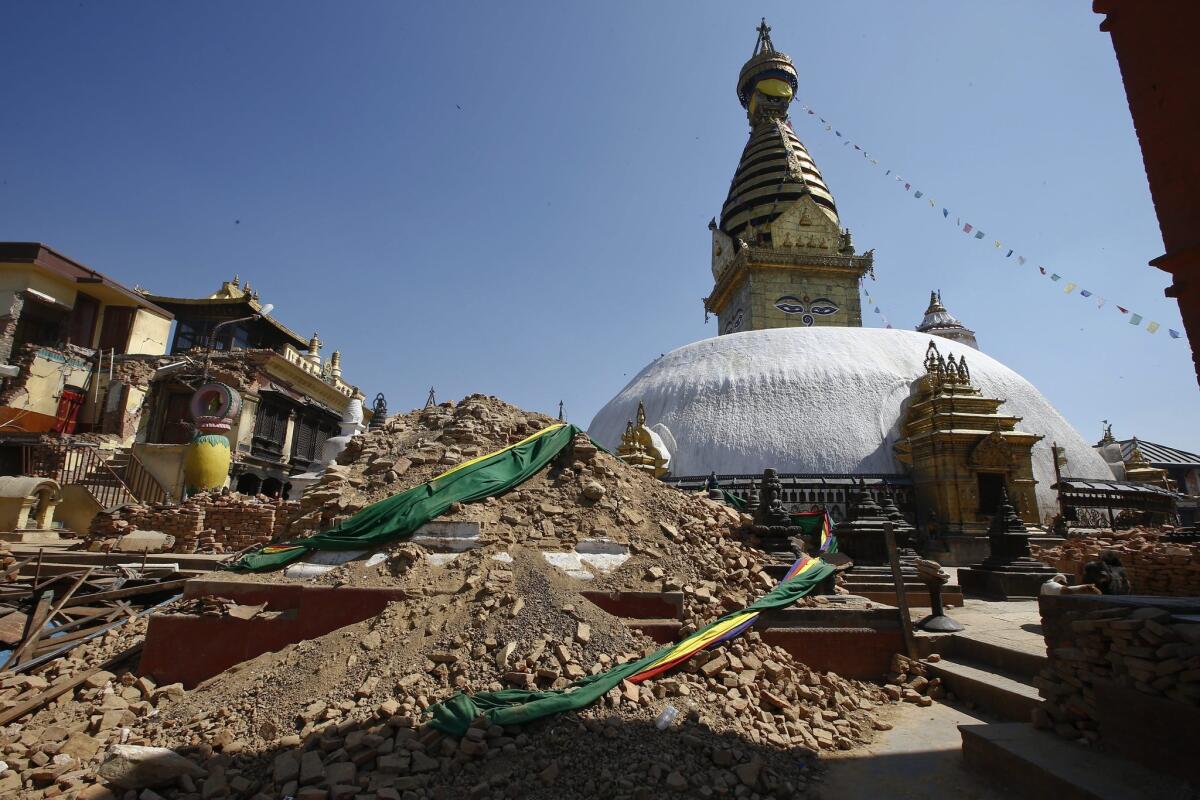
(207, 522)
(1142, 648)
(908, 682)
(1154, 566)
(7, 560)
(58, 750)
(342, 715)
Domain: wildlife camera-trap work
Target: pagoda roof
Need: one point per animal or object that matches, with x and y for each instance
(1159, 455)
(233, 296)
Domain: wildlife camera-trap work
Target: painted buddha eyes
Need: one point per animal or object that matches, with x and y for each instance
(822, 307)
(790, 305)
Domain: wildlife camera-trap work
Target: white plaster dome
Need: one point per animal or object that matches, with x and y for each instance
(822, 400)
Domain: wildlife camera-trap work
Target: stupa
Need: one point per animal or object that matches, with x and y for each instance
(794, 382)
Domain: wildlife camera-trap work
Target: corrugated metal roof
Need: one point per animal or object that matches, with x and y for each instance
(1160, 455)
(1093, 485)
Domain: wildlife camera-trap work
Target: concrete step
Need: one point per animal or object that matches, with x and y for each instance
(1041, 766)
(1003, 695)
(1018, 663)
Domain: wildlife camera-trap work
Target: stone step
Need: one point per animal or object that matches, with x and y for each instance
(1041, 766)
(1001, 694)
(1018, 663)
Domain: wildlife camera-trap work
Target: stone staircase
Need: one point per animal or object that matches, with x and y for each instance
(997, 680)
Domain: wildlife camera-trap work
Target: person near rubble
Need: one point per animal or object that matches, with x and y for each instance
(1107, 574)
(1058, 585)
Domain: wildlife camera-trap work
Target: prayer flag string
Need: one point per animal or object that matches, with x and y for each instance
(971, 229)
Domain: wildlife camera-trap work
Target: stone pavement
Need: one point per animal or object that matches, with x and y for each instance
(921, 757)
(1015, 624)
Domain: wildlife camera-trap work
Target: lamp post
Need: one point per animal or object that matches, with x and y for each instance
(212, 335)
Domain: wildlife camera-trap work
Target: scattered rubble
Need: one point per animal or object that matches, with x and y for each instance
(907, 681)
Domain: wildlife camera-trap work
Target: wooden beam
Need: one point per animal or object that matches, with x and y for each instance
(150, 588)
(906, 627)
(34, 624)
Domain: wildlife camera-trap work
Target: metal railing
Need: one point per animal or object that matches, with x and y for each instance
(84, 466)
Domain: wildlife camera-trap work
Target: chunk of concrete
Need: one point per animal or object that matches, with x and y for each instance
(145, 542)
(132, 766)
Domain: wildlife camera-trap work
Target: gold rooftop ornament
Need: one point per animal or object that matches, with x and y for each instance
(638, 447)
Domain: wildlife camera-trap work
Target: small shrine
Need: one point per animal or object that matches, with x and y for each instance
(965, 454)
(641, 448)
(1010, 570)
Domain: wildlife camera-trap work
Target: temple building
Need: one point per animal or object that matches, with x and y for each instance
(794, 382)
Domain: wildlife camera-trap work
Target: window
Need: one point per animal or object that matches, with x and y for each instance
(40, 323)
(270, 429)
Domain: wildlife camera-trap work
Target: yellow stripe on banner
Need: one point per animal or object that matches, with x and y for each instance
(526, 440)
(700, 642)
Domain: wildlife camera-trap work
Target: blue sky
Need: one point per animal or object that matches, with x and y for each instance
(513, 198)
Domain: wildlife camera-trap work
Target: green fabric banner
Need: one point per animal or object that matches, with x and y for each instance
(733, 500)
(400, 515)
(519, 706)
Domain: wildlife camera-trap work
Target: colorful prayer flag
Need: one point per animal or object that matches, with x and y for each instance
(968, 228)
(1042, 270)
(979, 234)
(1070, 287)
(918, 194)
(1085, 293)
(1100, 303)
(1020, 259)
(1055, 277)
(946, 213)
(907, 186)
(1152, 327)
(1174, 333)
(997, 242)
(1123, 310)
(811, 112)
(877, 310)
(1008, 254)
(1136, 319)
(839, 133)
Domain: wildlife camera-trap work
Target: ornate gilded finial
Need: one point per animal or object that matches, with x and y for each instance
(560, 410)
(235, 279)
(763, 45)
(314, 343)
(641, 414)
(1135, 455)
(932, 359)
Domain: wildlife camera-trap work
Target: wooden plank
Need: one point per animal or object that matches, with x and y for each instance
(162, 586)
(906, 627)
(31, 643)
(61, 687)
(33, 628)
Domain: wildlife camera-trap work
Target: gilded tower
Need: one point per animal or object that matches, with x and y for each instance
(780, 257)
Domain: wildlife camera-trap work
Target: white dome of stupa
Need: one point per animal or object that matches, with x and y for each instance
(825, 400)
